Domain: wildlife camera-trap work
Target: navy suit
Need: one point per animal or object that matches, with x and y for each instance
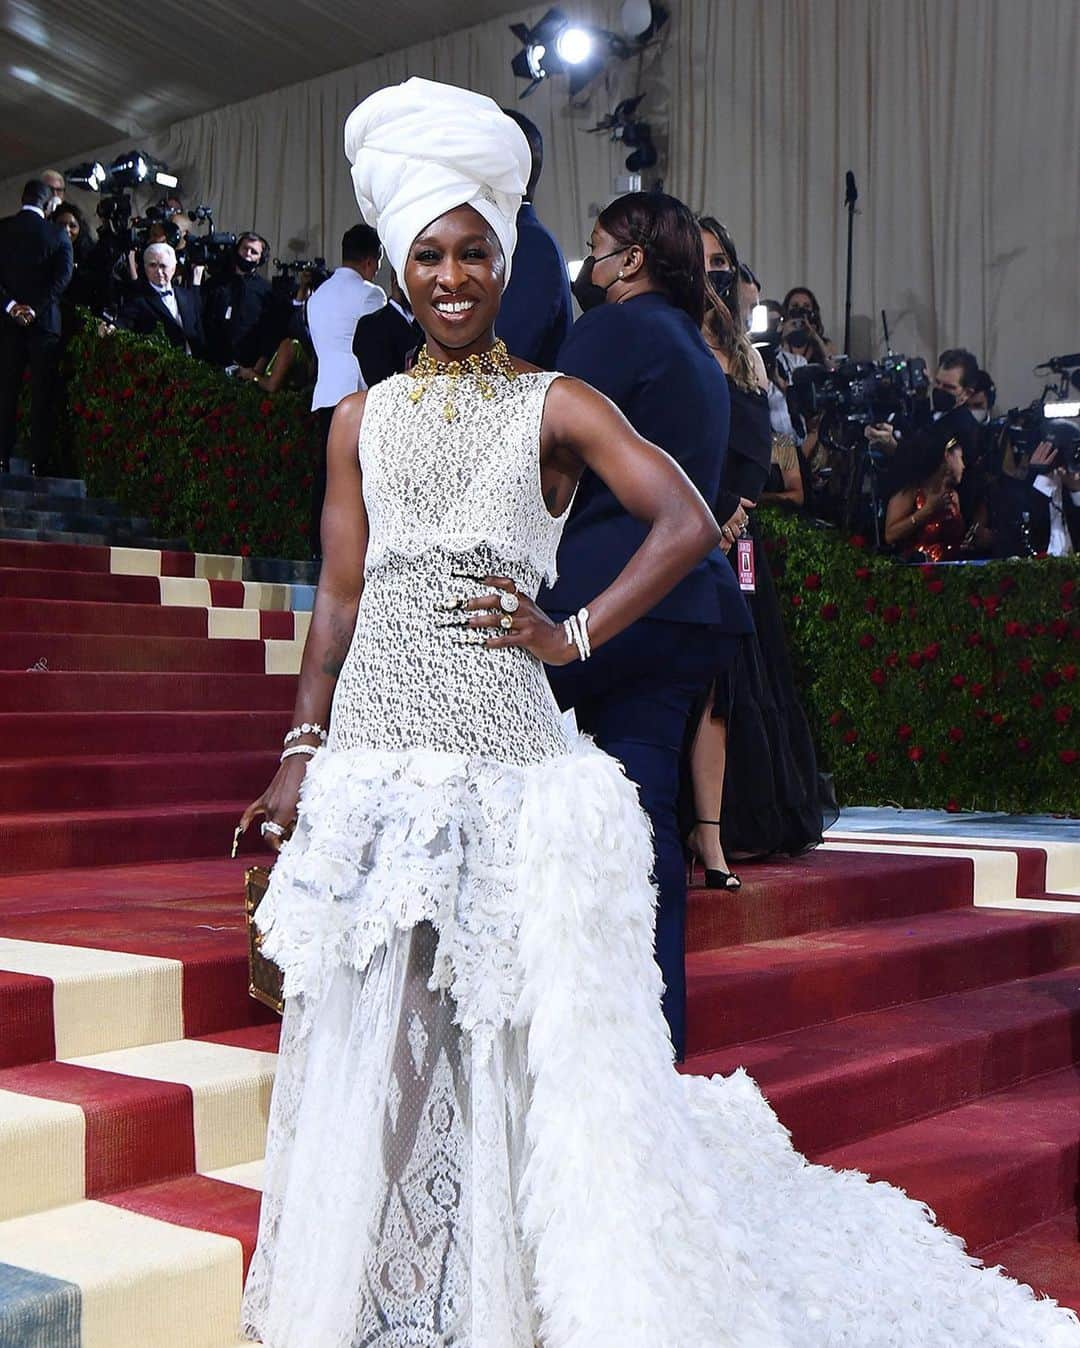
(634, 696)
(535, 315)
(35, 269)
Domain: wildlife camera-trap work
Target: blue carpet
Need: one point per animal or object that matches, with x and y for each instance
(37, 1311)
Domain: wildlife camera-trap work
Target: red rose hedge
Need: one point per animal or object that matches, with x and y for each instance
(210, 459)
(951, 686)
(954, 687)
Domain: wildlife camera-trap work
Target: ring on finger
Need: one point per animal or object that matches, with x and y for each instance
(509, 602)
(270, 826)
(506, 622)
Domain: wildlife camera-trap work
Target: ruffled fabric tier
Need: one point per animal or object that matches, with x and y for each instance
(558, 1184)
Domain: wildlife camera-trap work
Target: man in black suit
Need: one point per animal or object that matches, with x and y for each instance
(156, 302)
(35, 268)
(386, 338)
(238, 307)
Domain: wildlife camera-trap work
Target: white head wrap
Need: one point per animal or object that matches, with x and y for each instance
(420, 149)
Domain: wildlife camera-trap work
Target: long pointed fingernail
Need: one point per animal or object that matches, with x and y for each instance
(450, 608)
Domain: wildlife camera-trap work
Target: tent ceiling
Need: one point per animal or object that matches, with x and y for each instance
(80, 73)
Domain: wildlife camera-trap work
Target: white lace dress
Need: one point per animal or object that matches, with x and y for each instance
(477, 1137)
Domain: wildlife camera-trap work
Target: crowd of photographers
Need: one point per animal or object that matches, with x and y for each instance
(919, 463)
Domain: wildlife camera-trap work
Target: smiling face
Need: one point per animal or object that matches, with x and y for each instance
(454, 275)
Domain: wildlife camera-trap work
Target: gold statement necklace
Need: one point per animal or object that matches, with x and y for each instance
(483, 369)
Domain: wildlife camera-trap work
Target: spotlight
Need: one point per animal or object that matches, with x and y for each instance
(574, 45)
(538, 59)
(90, 177)
(135, 167)
(1061, 410)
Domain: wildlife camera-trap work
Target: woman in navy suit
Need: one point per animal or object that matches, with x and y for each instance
(640, 343)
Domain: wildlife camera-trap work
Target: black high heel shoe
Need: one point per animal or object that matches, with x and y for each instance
(726, 880)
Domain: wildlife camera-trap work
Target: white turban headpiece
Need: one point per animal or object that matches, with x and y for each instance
(420, 149)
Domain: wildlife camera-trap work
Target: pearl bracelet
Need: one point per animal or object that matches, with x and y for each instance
(310, 750)
(307, 728)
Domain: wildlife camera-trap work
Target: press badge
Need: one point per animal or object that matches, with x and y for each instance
(744, 564)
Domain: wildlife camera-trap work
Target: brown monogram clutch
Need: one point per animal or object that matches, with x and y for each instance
(264, 977)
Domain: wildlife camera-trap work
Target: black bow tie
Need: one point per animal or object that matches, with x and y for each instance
(166, 294)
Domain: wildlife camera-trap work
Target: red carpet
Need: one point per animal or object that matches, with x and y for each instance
(896, 1026)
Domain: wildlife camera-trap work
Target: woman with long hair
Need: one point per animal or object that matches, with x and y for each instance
(923, 519)
(477, 1138)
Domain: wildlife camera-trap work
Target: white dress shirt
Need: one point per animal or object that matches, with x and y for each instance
(1060, 544)
(333, 313)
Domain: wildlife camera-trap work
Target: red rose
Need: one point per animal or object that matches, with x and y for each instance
(836, 718)
(1006, 585)
(904, 732)
(857, 541)
(972, 640)
(851, 736)
(1022, 745)
(870, 758)
(812, 581)
(892, 659)
(958, 681)
(1059, 628)
(997, 719)
(870, 604)
(877, 677)
(991, 604)
(829, 612)
(976, 691)
(866, 641)
(862, 573)
(796, 600)
(952, 805)
(1037, 701)
(944, 759)
(245, 550)
(974, 601)
(232, 503)
(955, 734)
(915, 660)
(935, 586)
(891, 614)
(1067, 589)
(1051, 678)
(1068, 756)
(932, 651)
(916, 753)
(1015, 629)
(1062, 715)
(1025, 666)
(1068, 673)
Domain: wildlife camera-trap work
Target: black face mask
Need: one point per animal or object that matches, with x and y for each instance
(720, 279)
(246, 265)
(942, 400)
(585, 290)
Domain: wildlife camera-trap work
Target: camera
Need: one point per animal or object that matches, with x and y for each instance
(287, 281)
(859, 393)
(1027, 427)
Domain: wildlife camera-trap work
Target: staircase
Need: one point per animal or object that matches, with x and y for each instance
(911, 1008)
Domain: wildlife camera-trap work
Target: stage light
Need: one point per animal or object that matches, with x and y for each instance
(90, 177)
(759, 319)
(164, 179)
(574, 45)
(1053, 410)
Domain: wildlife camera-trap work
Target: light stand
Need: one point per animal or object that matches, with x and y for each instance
(851, 196)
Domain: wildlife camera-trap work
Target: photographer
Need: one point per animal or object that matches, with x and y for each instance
(951, 391)
(237, 306)
(1054, 500)
(157, 303)
(802, 337)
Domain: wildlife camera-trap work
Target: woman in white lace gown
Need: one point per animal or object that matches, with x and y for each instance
(477, 1137)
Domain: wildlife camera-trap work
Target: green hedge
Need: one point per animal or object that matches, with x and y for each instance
(946, 686)
(208, 458)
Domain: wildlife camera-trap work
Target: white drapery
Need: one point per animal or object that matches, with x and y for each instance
(960, 119)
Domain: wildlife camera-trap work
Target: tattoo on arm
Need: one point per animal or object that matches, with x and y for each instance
(340, 639)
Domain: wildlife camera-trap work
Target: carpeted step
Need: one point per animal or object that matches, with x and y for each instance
(787, 897)
(1046, 1257)
(106, 1275)
(77, 617)
(989, 1169)
(113, 538)
(62, 734)
(107, 973)
(756, 991)
(30, 498)
(835, 1083)
(84, 691)
(43, 840)
(77, 518)
(70, 488)
(169, 557)
(20, 650)
(122, 781)
(94, 1125)
(97, 587)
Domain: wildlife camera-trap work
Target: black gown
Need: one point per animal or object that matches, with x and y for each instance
(775, 799)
